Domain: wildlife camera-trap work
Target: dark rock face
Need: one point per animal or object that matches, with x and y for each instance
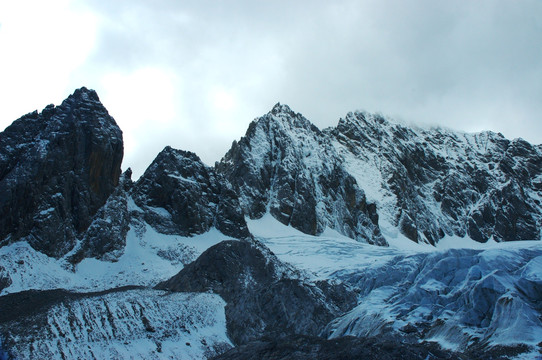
(308, 348)
(5, 280)
(264, 296)
(441, 182)
(180, 195)
(57, 168)
(105, 238)
(286, 164)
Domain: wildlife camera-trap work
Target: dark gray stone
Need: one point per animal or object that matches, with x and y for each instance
(181, 195)
(263, 295)
(105, 238)
(5, 280)
(57, 168)
(301, 347)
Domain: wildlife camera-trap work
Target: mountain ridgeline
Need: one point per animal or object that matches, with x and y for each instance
(60, 175)
(435, 182)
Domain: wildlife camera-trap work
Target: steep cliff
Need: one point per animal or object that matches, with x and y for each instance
(57, 169)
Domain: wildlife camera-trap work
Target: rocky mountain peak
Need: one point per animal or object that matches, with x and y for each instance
(181, 195)
(283, 119)
(279, 108)
(287, 166)
(84, 94)
(175, 161)
(435, 182)
(283, 112)
(57, 168)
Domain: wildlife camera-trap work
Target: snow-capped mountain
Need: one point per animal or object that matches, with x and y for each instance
(432, 183)
(366, 239)
(286, 166)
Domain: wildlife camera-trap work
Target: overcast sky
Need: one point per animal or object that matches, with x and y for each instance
(193, 74)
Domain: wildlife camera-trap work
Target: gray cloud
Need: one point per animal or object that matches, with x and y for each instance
(462, 64)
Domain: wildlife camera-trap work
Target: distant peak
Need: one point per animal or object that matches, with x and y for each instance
(281, 109)
(86, 94)
(179, 154)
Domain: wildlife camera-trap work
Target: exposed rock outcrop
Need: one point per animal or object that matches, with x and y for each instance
(263, 295)
(181, 195)
(57, 169)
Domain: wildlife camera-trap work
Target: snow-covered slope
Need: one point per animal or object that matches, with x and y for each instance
(143, 323)
(458, 298)
(123, 324)
(149, 257)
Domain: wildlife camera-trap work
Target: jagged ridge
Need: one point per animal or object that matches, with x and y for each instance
(432, 183)
(363, 175)
(287, 166)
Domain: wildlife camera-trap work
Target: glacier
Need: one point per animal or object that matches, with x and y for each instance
(460, 295)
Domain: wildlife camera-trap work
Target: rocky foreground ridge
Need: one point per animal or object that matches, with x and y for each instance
(65, 206)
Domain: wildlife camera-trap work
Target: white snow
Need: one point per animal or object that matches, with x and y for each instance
(134, 324)
(409, 283)
(321, 255)
(182, 178)
(368, 175)
(47, 211)
(140, 264)
(160, 211)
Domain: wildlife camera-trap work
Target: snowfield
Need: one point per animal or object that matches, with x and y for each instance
(149, 257)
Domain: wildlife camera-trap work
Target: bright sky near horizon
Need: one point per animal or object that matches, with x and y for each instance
(193, 74)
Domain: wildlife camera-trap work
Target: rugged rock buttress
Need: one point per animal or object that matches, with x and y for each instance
(57, 169)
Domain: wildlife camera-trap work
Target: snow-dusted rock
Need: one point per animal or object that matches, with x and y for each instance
(117, 324)
(264, 296)
(67, 220)
(287, 166)
(57, 168)
(181, 195)
(432, 183)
